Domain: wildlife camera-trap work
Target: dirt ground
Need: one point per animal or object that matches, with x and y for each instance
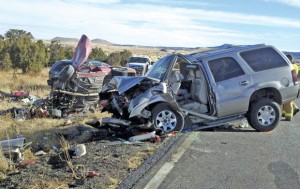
(58, 170)
(112, 163)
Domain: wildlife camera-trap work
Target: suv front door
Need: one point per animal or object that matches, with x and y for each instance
(231, 86)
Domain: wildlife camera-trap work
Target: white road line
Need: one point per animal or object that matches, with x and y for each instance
(155, 182)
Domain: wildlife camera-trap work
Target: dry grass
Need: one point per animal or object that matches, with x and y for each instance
(113, 183)
(135, 161)
(4, 166)
(51, 184)
(37, 85)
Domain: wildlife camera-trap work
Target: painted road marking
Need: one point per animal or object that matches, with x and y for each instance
(155, 182)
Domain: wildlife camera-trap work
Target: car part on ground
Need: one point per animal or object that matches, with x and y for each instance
(14, 147)
(210, 89)
(15, 95)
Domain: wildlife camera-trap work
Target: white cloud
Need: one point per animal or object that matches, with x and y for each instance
(95, 1)
(295, 3)
(134, 23)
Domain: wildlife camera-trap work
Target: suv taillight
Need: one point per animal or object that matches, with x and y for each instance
(295, 77)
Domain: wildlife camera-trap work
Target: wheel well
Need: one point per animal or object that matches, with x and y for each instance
(270, 93)
(151, 106)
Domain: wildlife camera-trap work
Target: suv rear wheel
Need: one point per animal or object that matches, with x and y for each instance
(264, 115)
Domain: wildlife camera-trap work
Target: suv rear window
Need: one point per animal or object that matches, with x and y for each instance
(225, 68)
(263, 59)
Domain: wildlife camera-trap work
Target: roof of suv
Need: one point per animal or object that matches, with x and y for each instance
(199, 55)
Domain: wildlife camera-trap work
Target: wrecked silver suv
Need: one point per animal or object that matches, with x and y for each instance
(207, 89)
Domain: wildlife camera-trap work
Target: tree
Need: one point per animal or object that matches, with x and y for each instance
(57, 52)
(98, 54)
(119, 58)
(5, 62)
(24, 52)
(125, 55)
(34, 57)
(114, 59)
(69, 53)
(19, 51)
(42, 53)
(15, 34)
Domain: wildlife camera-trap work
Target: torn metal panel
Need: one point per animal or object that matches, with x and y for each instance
(14, 146)
(142, 137)
(15, 142)
(82, 51)
(137, 106)
(122, 84)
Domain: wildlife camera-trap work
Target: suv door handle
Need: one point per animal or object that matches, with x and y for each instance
(243, 83)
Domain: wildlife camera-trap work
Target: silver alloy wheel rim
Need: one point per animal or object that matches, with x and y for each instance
(166, 120)
(266, 115)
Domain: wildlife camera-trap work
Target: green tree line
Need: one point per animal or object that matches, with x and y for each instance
(19, 50)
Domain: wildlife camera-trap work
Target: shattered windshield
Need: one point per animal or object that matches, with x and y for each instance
(159, 69)
(138, 59)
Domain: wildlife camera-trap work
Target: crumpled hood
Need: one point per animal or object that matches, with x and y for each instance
(124, 83)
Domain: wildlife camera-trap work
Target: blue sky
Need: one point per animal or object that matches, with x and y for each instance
(193, 23)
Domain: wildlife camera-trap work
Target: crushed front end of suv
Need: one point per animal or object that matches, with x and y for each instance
(209, 89)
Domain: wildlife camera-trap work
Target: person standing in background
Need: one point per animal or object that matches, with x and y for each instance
(290, 109)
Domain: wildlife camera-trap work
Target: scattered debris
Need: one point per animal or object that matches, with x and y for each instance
(14, 147)
(114, 122)
(29, 101)
(94, 123)
(121, 143)
(79, 150)
(67, 122)
(17, 113)
(28, 162)
(244, 124)
(142, 137)
(15, 95)
(93, 174)
(40, 153)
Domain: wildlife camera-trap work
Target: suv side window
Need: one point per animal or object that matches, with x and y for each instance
(263, 59)
(225, 68)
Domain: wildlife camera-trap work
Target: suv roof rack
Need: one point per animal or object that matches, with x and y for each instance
(214, 51)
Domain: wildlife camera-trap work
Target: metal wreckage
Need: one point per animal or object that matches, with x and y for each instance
(76, 88)
(145, 102)
(178, 91)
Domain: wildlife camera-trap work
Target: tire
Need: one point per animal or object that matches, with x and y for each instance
(66, 73)
(264, 115)
(166, 118)
(119, 72)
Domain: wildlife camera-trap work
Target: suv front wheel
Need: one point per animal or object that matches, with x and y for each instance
(264, 115)
(166, 118)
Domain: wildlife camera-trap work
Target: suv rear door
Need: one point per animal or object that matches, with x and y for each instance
(231, 85)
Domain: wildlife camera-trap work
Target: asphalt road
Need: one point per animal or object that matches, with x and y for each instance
(228, 158)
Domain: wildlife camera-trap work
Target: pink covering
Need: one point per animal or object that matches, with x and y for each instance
(82, 51)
